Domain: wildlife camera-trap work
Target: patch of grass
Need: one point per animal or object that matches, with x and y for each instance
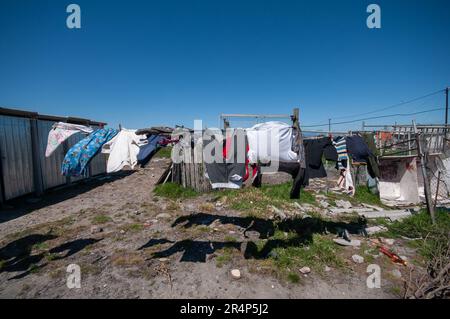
(204, 229)
(207, 207)
(229, 238)
(40, 246)
(363, 195)
(433, 238)
(33, 269)
(101, 219)
(174, 191)
(293, 277)
(172, 205)
(164, 152)
(256, 201)
(133, 228)
(225, 257)
(51, 256)
(319, 253)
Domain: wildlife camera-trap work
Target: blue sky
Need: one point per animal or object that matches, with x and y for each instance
(143, 63)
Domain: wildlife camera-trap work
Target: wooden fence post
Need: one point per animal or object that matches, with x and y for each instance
(426, 180)
(37, 164)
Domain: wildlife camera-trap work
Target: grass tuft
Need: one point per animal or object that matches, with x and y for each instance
(174, 191)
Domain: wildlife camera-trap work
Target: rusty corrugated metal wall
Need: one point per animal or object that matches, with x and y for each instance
(23, 165)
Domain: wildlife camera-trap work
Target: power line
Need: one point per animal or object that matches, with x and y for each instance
(393, 105)
(377, 117)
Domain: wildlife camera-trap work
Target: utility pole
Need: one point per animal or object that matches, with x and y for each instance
(446, 118)
(426, 180)
(329, 125)
(446, 107)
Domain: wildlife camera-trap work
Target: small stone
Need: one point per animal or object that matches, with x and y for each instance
(396, 273)
(404, 258)
(344, 204)
(324, 204)
(375, 229)
(305, 270)
(343, 242)
(231, 232)
(163, 259)
(122, 231)
(327, 269)
(236, 273)
(388, 241)
(96, 229)
(163, 215)
(273, 287)
(358, 259)
(219, 204)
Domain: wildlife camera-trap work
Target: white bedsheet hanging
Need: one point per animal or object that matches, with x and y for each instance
(62, 131)
(271, 141)
(123, 150)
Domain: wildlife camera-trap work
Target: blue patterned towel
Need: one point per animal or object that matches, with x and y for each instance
(78, 157)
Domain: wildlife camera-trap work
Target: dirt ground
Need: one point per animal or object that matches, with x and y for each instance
(131, 243)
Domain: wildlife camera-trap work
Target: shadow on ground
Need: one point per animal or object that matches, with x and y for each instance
(17, 256)
(24, 205)
(304, 229)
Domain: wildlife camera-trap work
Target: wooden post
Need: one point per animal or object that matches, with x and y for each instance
(426, 180)
(437, 189)
(2, 193)
(446, 119)
(37, 165)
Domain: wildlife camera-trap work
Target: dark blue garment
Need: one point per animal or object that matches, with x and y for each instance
(78, 157)
(146, 151)
(357, 148)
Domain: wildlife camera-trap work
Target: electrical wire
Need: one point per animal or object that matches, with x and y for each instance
(392, 106)
(376, 117)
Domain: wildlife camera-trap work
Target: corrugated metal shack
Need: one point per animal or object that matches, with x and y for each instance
(23, 166)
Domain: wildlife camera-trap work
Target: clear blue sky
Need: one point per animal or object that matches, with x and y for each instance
(143, 63)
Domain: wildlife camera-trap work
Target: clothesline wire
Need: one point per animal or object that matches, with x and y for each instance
(392, 106)
(376, 117)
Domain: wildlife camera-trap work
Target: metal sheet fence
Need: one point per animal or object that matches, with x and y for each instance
(23, 165)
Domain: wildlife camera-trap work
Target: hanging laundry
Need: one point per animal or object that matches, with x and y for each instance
(360, 152)
(78, 157)
(262, 137)
(341, 149)
(345, 180)
(148, 149)
(156, 130)
(315, 149)
(60, 132)
(123, 150)
(229, 169)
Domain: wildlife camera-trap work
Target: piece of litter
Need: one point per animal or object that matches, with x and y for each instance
(305, 270)
(358, 259)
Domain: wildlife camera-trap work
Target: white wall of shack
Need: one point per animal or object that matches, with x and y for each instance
(399, 180)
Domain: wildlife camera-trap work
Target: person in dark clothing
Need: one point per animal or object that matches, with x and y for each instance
(360, 152)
